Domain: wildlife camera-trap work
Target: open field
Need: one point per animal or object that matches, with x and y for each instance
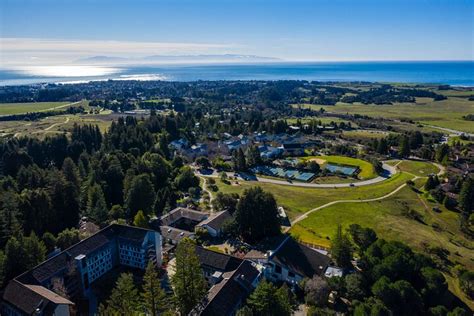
(297, 200)
(364, 134)
(324, 120)
(53, 125)
(20, 108)
(446, 113)
(366, 169)
(418, 168)
(389, 219)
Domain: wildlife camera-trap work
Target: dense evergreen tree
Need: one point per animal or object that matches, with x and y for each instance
(382, 147)
(124, 299)
(186, 179)
(257, 215)
(113, 177)
(253, 157)
(224, 201)
(268, 300)
(140, 196)
(430, 183)
(239, 161)
(361, 236)
(404, 150)
(188, 282)
(36, 211)
(140, 220)
(96, 206)
(22, 253)
(153, 296)
(442, 153)
(341, 249)
(67, 238)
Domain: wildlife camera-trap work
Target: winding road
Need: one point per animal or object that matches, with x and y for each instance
(56, 124)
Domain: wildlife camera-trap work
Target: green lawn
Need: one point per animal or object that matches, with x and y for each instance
(334, 179)
(388, 218)
(297, 200)
(324, 120)
(19, 108)
(447, 113)
(418, 168)
(366, 169)
(364, 134)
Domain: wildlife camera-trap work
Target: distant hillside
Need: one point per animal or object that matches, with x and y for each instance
(161, 59)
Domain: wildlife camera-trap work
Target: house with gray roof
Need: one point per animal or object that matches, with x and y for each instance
(290, 261)
(229, 295)
(214, 223)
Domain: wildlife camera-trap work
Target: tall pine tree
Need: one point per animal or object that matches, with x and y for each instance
(153, 296)
(188, 282)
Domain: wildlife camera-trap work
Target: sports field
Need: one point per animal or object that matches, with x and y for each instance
(366, 169)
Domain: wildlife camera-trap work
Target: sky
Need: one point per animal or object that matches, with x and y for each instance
(60, 31)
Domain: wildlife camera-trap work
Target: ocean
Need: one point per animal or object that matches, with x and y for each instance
(457, 73)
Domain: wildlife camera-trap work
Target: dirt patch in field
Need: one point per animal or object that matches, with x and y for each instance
(319, 161)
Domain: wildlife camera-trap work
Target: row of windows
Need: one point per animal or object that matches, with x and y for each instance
(131, 258)
(99, 262)
(131, 254)
(97, 257)
(129, 247)
(98, 272)
(133, 263)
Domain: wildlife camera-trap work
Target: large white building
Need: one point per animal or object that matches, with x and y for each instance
(77, 269)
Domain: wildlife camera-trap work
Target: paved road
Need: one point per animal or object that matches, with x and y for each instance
(389, 171)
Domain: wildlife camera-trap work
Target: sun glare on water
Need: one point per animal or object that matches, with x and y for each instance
(68, 71)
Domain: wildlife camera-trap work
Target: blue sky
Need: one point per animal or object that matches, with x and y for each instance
(292, 29)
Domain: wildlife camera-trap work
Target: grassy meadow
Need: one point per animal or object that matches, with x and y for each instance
(20, 108)
(446, 113)
(297, 200)
(418, 168)
(53, 125)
